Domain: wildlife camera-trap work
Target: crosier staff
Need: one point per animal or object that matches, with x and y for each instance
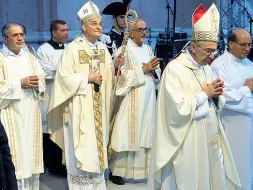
(131, 17)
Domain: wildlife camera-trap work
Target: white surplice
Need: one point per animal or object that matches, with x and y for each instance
(236, 116)
(190, 150)
(20, 113)
(132, 130)
(78, 118)
(48, 58)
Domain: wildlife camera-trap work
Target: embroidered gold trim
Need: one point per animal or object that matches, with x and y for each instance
(98, 128)
(133, 129)
(97, 104)
(84, 57)
(102, 56)
(3, 69)
(12, 137)
(85, 19)
(37, 146)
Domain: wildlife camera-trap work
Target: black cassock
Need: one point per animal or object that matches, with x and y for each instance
(8, 179)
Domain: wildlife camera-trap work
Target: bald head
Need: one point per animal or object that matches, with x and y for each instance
(136, 25)
(138, 32)
(237, 34)
(239, 43)
(241, 32)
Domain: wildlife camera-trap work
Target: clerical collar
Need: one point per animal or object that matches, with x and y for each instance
(6, 51)
(233, 57)
(117, 31)
(90, 44)
(194, 63)
(55, 45)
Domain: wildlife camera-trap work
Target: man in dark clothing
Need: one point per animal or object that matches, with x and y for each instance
(8, 179)
(115, 37)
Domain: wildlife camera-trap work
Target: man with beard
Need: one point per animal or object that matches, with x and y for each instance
(237, 72)
(49, 55)
(132, 130)
(189, 149)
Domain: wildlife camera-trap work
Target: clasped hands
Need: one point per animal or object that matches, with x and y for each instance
(249, 83)
(95, 77)
(31, 81)
(214, 89)
(151, 66)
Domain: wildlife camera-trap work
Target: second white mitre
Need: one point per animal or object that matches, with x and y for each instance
(88, 11)
(205, 24)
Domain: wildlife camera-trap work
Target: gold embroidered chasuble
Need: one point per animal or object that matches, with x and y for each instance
(89, 110)
(20, 113)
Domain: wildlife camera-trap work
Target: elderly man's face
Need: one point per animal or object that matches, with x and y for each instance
(15, 38)
(93, 27)
(241, 47)
(204, 52)
(139, 32)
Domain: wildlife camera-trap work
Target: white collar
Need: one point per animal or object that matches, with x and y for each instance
(194, 63)
(89, 43)
(7, 51)
(233, 57)
(133, 43)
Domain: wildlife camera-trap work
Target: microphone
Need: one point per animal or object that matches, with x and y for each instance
(96, 87)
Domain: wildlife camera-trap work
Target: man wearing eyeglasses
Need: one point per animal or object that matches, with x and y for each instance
(237, 72)
(132, 130)
(189, 148)
(22, 87)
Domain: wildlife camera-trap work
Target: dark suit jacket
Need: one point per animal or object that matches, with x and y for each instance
(8, 179)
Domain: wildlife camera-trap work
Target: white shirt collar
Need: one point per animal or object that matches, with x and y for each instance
(7, 51)
(194, 63)
(133, 43)
(233, 57)
(90, 44)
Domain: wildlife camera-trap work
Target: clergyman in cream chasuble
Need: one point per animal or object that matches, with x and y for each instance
(20, 113)
(190, 150)
(132, 131)
(78, 117)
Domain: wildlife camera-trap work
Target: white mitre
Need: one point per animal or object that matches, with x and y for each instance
(88, 11)
(205, 24)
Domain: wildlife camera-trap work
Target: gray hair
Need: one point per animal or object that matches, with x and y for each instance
(132, 25)
(6, 27)
(198, 43)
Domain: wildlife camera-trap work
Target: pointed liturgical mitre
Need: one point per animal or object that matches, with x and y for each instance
(205, 24)
(88, 11)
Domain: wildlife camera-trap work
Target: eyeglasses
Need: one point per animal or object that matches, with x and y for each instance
(140, 30)
(22, 35)
(208, 52)
(244, 45)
